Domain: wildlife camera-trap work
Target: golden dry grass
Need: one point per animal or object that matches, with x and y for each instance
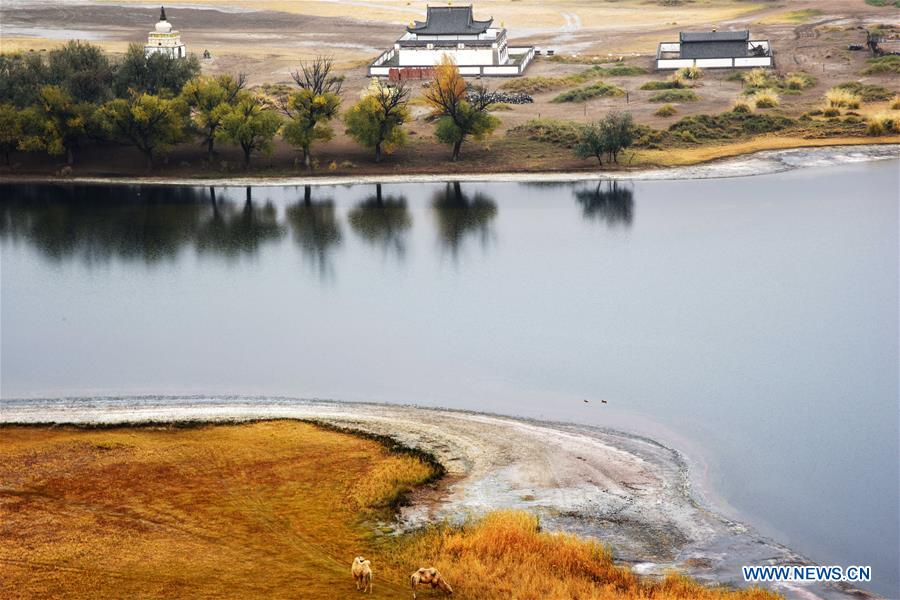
(272, 509)
(268, 509)
(840, 98)
(506, 555)
(765, 98)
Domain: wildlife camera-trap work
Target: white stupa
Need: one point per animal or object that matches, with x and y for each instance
(165, 40)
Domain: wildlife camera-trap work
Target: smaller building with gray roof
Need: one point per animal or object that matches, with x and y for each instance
(714, 49)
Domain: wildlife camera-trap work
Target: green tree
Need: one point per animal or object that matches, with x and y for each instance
(150, 123)
(210, 99)
(376, 121)
(21, 78)
(591, 143)
(618, 129)
(60, 124)
(82, 69)
(610, 136)
(11, 132)
(250, 125)
(461, 109)
(312, 107)
(156, 74)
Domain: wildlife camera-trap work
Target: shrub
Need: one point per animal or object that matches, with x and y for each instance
(728, 125)
(757, 78)
(533, 85)
(666, 110)
(868, 92)
(665, 84)
(765, 98)
(624, 71)
(741, 107)
(674, 96)
(883, 65)
(841, 98)
(829, 112)
(673, 82)
(799, 81)
(550, 131)
(689, 73)
(595, 90)
(883, 124)
(895, 102)
(538, 83)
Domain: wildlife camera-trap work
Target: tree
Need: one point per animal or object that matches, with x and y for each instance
(152, 124)
(610, 136)
(250, 125)
(618, 128)
(461, 109)
(312, 107)
(82, 69)
(376, 121)
(591, 143)
(11, 132)
(210, 99)
(156, 74)
(21, 78)
(60, 124)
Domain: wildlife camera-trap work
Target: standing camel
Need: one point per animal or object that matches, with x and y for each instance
(361, 569)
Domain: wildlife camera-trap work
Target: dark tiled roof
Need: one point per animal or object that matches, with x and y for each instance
(715, 36)
(714, 44)
(450, 20)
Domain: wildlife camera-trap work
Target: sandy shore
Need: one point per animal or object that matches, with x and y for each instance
(759, 163)
(632, 492)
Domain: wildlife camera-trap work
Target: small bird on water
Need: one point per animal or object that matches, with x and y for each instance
(601, 401)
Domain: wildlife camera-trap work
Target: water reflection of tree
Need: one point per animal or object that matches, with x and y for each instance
(382, 221)
(460, 215)
(609, 202)
(98, 223)
(316, 229)
(233, 229)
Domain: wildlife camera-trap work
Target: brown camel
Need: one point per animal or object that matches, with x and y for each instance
(429, 576)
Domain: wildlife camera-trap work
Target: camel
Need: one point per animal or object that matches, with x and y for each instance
(361, 569)
(429, 576)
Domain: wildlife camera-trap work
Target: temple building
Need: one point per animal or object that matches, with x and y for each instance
(714, 49)
(475, 46)
(165, 40)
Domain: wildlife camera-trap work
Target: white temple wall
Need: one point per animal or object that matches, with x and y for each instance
(463, 57)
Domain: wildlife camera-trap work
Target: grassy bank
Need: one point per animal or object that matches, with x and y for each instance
(266, 509)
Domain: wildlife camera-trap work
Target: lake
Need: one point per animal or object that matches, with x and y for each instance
(750, 322)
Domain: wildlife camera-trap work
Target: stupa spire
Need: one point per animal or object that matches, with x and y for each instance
(162, 13)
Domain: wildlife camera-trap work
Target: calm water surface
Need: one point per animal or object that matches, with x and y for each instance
(751, 322)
